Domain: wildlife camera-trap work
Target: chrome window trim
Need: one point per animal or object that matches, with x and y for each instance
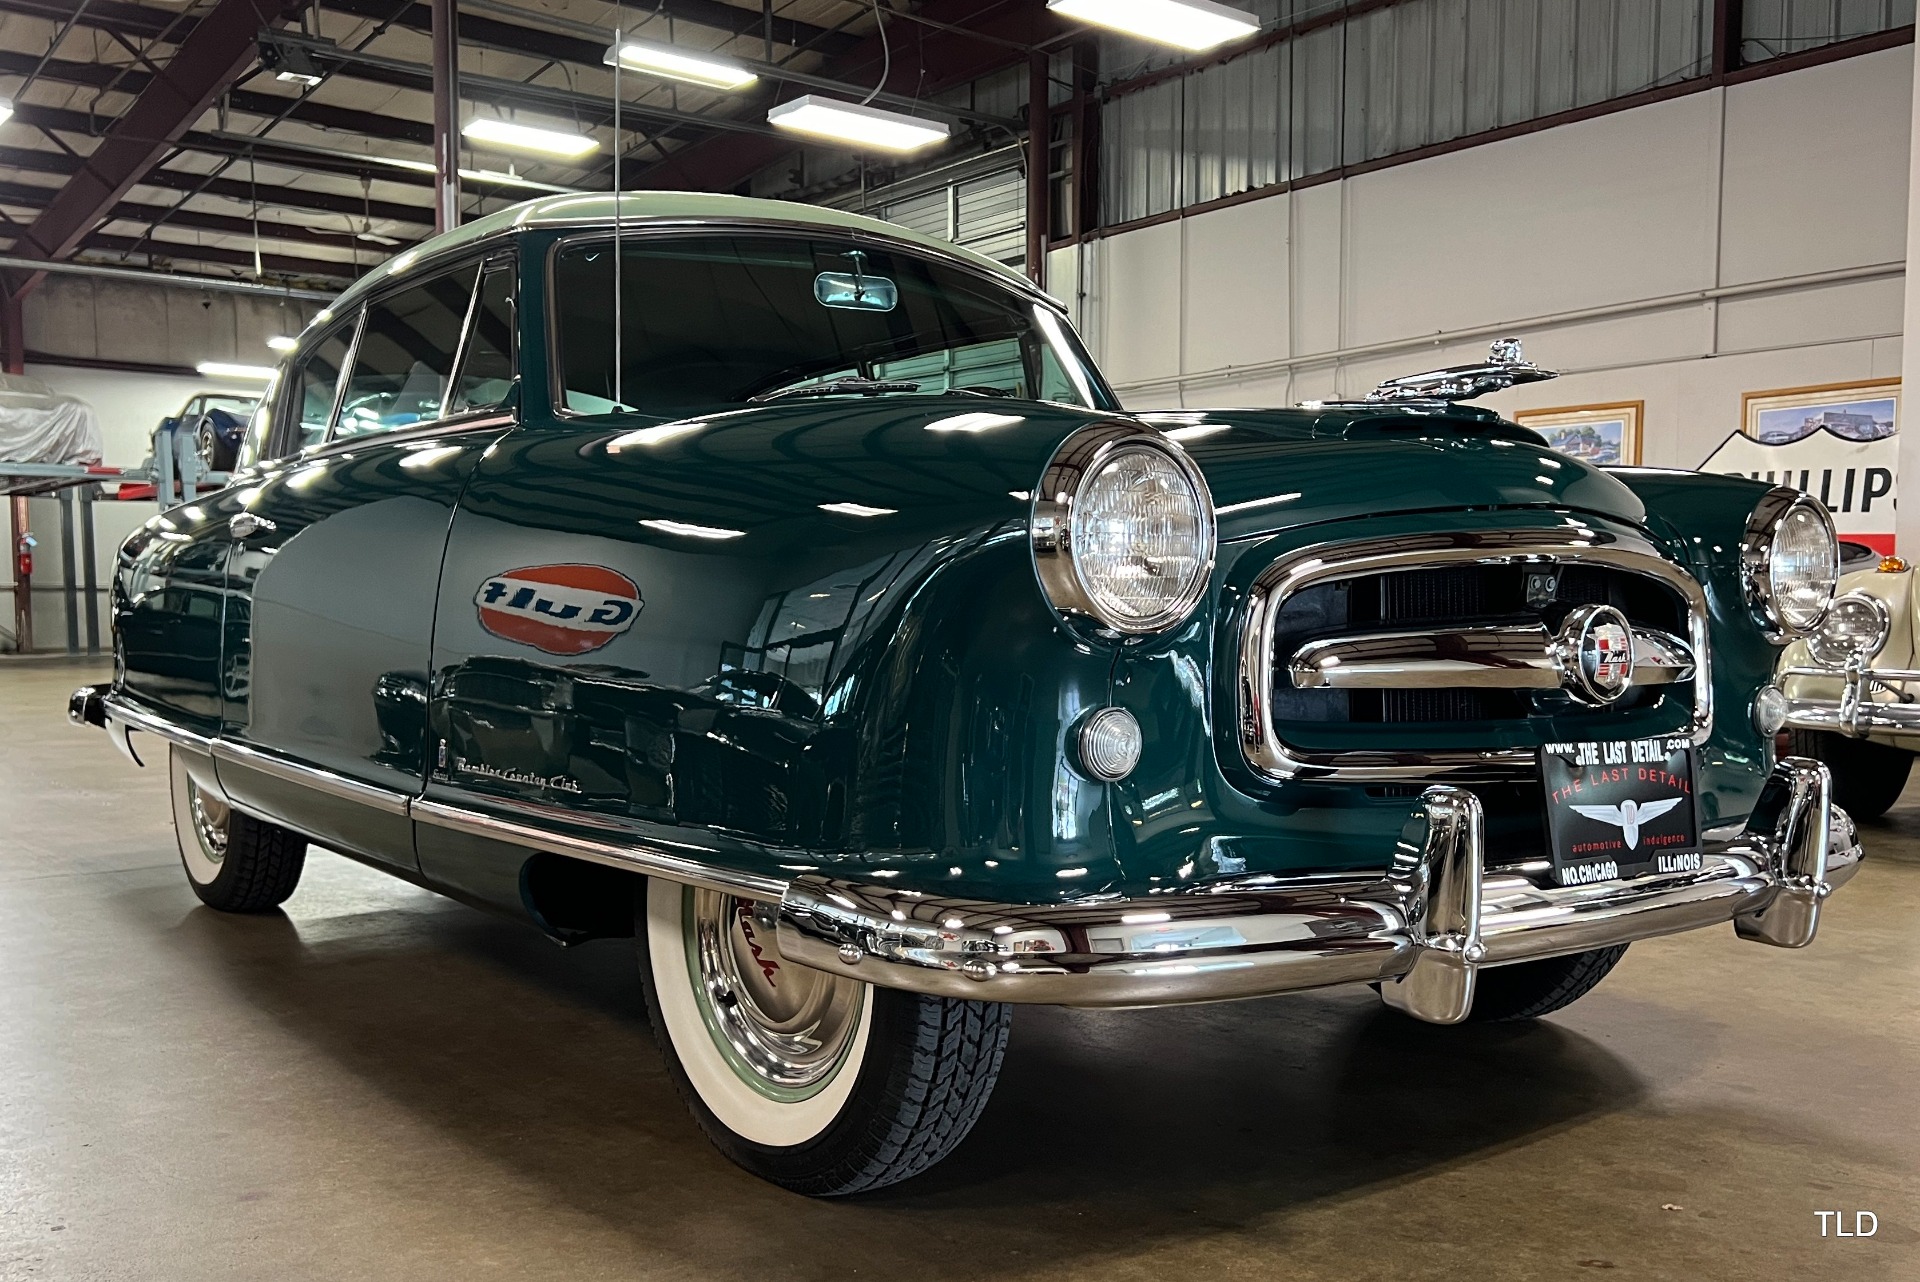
(1274, 760)
(1073, 463)
(1756, 550)
(604, 231)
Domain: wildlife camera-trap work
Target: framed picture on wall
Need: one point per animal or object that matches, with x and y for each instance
(1851, 411)
(1604, 435)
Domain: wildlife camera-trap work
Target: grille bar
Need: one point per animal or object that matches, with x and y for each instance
(1433, 577)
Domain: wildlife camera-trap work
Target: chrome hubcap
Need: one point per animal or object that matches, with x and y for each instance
(785, 1029)
(209, 823)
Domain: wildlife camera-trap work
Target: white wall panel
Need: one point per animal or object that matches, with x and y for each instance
(1574, 217)
(1625, 213)
(1236, 284)
(1140, 286)
(1816, 174)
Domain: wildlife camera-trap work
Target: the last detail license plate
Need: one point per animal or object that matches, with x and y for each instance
(1620, 808)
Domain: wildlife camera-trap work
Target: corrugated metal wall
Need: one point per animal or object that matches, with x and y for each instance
(1415, 74)
(1769, 28)
(986, 213)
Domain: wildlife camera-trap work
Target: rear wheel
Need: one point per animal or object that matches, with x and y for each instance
(817, 1082)
(1528, 990)
(1867, 777)
(234, 862)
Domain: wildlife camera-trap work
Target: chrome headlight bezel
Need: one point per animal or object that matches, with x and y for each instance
(1074, 466)
(1832, 654)
(1757, 547)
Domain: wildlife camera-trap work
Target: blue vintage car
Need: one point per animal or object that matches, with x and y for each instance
(790, 591)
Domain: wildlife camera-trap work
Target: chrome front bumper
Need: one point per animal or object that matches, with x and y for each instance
(1856, 712)
(1422, 931)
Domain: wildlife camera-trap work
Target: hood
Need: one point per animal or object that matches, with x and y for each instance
(971, 461)
(1277, 469)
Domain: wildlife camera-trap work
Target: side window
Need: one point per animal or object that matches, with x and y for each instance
(315, 380)
(405, 358)
(486, 374)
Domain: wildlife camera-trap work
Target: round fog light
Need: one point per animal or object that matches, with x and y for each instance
(1108, 744)
(1769, 711)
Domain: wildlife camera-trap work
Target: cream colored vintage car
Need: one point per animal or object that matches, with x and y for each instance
(1853, 686)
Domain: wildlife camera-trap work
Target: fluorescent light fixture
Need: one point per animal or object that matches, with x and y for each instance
(282, 343)
(1185, 24)
(6, 109)
(857, 509)
(694, 531)
(861, 126)
(680, 64)
(978, 422)
(519, 137)
(375, 238)
(227, 369)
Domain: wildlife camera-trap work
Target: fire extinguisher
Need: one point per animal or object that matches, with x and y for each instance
(23, 555)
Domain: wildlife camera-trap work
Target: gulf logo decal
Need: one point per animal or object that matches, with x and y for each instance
(561, 609)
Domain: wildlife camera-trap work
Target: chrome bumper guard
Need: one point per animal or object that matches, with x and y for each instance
(1423, 931)
(1857, 713)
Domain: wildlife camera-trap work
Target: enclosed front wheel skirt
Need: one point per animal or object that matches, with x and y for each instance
(816, 1082)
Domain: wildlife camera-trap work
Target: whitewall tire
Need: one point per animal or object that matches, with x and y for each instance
(818, 1082)
(234, 861)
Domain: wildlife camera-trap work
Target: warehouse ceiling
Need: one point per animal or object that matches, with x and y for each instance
(236, 172)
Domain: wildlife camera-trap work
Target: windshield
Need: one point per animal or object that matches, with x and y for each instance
(729, 318)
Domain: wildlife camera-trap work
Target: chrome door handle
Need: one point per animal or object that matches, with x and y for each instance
(245, 524)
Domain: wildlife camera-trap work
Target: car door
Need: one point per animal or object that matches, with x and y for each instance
(336, 556)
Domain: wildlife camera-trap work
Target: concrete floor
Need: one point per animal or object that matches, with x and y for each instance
(382, 1084)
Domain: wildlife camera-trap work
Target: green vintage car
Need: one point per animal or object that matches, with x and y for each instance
(790, 591)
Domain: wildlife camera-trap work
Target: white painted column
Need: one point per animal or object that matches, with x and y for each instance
(1907, 524)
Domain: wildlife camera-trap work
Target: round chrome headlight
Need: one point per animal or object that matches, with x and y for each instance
(1856, 627)
(1123, 529)
(1792, 561)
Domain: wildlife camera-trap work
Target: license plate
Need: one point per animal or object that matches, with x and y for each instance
(1620, 808)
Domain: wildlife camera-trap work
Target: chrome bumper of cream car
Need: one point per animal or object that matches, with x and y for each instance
(1856, 712)
(1422, 931)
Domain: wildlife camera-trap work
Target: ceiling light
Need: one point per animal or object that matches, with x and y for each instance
(6, 109)
(857, 509)
(282, 343)
(678, 64)
(291, 64)
(1184, 24)
(226, 369)
(978, 422)
(549, 142)
(862, 126)
(375, 238)
(694, 531)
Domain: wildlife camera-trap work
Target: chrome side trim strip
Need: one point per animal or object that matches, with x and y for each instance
(631, 855)
(132, 716)
(1491, 658)
(230, 752)
(1274, 759)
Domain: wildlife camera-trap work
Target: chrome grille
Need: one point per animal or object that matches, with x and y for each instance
(1489, 588)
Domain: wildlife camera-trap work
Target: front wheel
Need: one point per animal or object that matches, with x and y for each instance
(816, 1082)
(235, 862)
(1528, 990)
(1868, 777)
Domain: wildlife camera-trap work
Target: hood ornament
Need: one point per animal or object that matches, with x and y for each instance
(1504, 367)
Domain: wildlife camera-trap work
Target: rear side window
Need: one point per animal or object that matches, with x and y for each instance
(405, 359)
(486, 374)
(316, 379)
